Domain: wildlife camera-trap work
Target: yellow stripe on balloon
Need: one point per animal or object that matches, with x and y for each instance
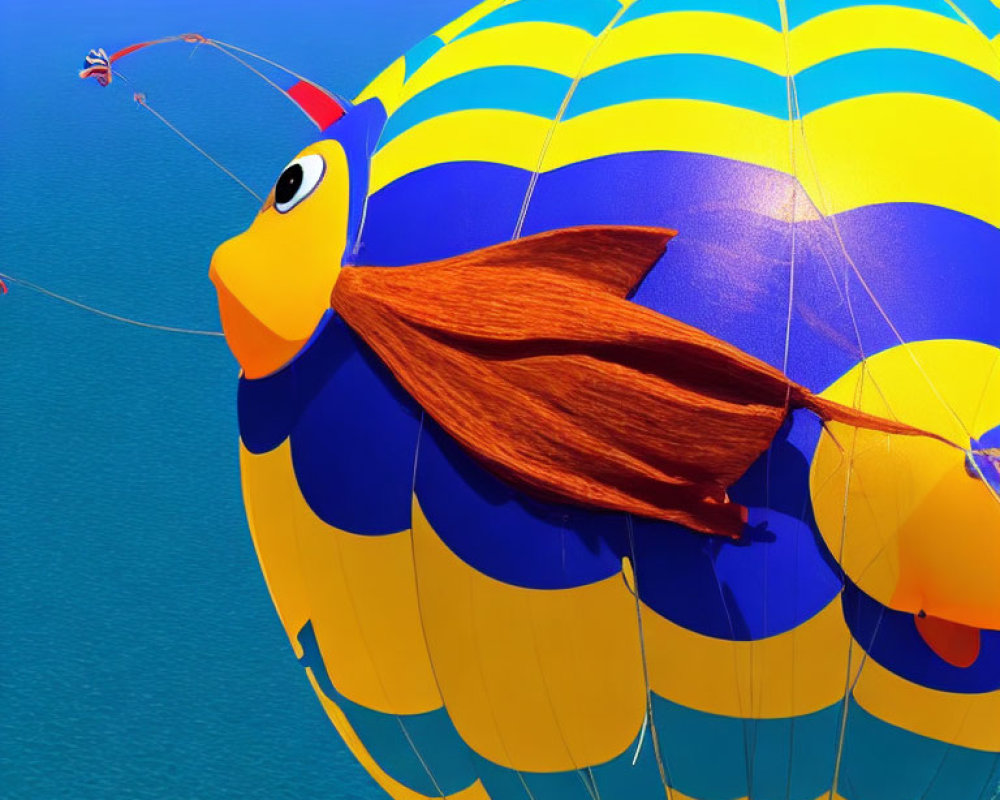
(536, 680)
(387, 86)
(857, 28)
(394, 788)
(794, 673)
(692, 126)
(359, 591)
(895, 148)
(701, 32)
(502, 137)
(966, 720)
(543, 45)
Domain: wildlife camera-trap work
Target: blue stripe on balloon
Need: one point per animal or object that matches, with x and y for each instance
(692, 77)
(468, 205)
(589, 15)
(507, 535)
(984, 14)
(881, 71)
(353, 436)
(503, 783)
(802, 11)
(526, 89)
(933, 270)
(763, 11)
(884, 761)
(417, 55)
(781, 548)
(891, 638)
(410, 748)
(707, 753)
(268, 407)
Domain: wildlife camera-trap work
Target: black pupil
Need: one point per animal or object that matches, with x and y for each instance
(288, 184)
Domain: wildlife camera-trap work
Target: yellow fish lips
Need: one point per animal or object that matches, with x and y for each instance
(274, 280)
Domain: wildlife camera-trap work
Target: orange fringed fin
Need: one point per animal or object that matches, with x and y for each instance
(830, 411)
(614, 258)
(529, 355)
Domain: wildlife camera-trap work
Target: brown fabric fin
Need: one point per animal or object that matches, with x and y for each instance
(830, 411)
(615, 258)
(530, 357)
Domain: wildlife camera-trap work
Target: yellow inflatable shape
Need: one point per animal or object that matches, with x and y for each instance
(542, 45)
(359, 591)
(536, 680)
(919, 533)
(857, 28)
(797, 672)
(702, 32)
(897, 148)
(394, 788)
(502, 137)
(966, 720)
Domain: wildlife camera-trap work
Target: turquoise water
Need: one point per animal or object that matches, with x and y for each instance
(140, 656)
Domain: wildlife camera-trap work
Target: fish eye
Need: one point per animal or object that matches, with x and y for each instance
(297, 181)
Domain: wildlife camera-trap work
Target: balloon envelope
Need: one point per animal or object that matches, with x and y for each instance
(832, 172)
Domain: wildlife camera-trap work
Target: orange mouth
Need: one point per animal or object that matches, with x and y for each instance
(259, 350)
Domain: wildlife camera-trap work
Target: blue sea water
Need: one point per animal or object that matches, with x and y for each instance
(140, 656)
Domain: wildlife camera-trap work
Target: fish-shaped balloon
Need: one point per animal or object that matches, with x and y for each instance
(493, 412)
(399, 368)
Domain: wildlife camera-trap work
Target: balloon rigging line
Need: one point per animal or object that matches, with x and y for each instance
(845, 703)
(832, 221)
(586, 778)
(420, 615)
(258, 73)
(269, 62)
(533, 181)
(141, 100)
(107, 314)
(649, 722)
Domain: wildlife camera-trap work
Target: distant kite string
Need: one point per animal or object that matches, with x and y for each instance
(34, 287)
(98, 65)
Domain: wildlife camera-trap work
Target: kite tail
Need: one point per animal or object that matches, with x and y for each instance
(830, 411)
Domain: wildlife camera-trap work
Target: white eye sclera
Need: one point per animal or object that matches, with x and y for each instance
(297, 181)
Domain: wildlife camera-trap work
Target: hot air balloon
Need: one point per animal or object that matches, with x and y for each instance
(830, 171)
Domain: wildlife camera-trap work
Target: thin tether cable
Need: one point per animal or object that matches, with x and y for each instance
(107, 314)
(141, 100)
